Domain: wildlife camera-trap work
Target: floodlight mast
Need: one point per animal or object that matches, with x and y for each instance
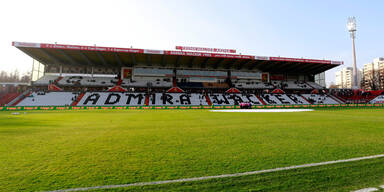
(351, 25)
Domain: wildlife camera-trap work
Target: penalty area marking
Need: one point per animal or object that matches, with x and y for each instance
(262, 110)
(220, 176)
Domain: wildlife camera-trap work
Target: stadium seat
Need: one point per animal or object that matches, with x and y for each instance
(45, 80)
(134, 99)
(320, 99)
(48, 99)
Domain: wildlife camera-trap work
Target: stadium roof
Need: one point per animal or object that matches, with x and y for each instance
(79, 55)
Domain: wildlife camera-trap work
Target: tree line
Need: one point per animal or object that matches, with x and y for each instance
(15, 77)
(373, 80)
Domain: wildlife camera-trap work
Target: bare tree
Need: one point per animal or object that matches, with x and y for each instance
(373, 80)
(363, 84)
(333, 86)
(381, 79)
(15, 77)
(26, 77)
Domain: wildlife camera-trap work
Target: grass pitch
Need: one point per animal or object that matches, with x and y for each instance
(50, 150)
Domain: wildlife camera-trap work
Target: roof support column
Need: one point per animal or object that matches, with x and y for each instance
(61, 70)
(33, 68)
(177, 64)
(163, 60)
(92, 71)
(38, 72)
(133, 60)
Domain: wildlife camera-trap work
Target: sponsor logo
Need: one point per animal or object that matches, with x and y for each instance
(206, 49)
(150, 51)
(261, 58)
(24, 44)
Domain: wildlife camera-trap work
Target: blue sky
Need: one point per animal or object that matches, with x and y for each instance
(296, 28)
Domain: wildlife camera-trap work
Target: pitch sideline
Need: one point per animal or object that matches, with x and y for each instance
(220, 176)
(262, 110)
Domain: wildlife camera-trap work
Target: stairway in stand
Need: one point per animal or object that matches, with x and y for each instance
(306, 99)
(147, 100)
(208, 100)
(8, 98)
(78, 99)
(119, 82)
(261, 100)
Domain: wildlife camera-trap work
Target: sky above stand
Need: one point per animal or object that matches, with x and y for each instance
(296, 28)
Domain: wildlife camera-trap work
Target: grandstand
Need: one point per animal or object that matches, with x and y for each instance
(94, 76)
(84, 125)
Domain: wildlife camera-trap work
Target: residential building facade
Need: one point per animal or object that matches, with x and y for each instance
(344, 78)
(373, 75)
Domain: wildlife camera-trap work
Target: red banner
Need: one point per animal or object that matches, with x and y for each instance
(264, 77)
(279, 77)
(182, 53)
(300, 60)
(90, 48)
(199, 54)
(126, 73)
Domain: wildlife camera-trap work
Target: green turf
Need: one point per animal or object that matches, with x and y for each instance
(69, 149)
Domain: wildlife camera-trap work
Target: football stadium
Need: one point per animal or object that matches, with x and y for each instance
(189, 119)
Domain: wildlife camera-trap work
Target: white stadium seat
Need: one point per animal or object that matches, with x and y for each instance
(158, 82)
(88, 81)
(177, 99)
(251, 84)
(45, 80)
(319, 99)
(170, 99)
(152, 72)
(315, 85)
(201, 73)
(112, 98)
(233, 99)
(378, 99)
(48, 99)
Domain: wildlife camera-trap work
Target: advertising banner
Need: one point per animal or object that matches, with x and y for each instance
(205, 49)
(126, 73)
(335, 106)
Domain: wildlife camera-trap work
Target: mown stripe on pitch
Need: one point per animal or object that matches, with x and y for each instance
(220, 176)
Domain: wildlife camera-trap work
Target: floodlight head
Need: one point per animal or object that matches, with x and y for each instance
(351, 25)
